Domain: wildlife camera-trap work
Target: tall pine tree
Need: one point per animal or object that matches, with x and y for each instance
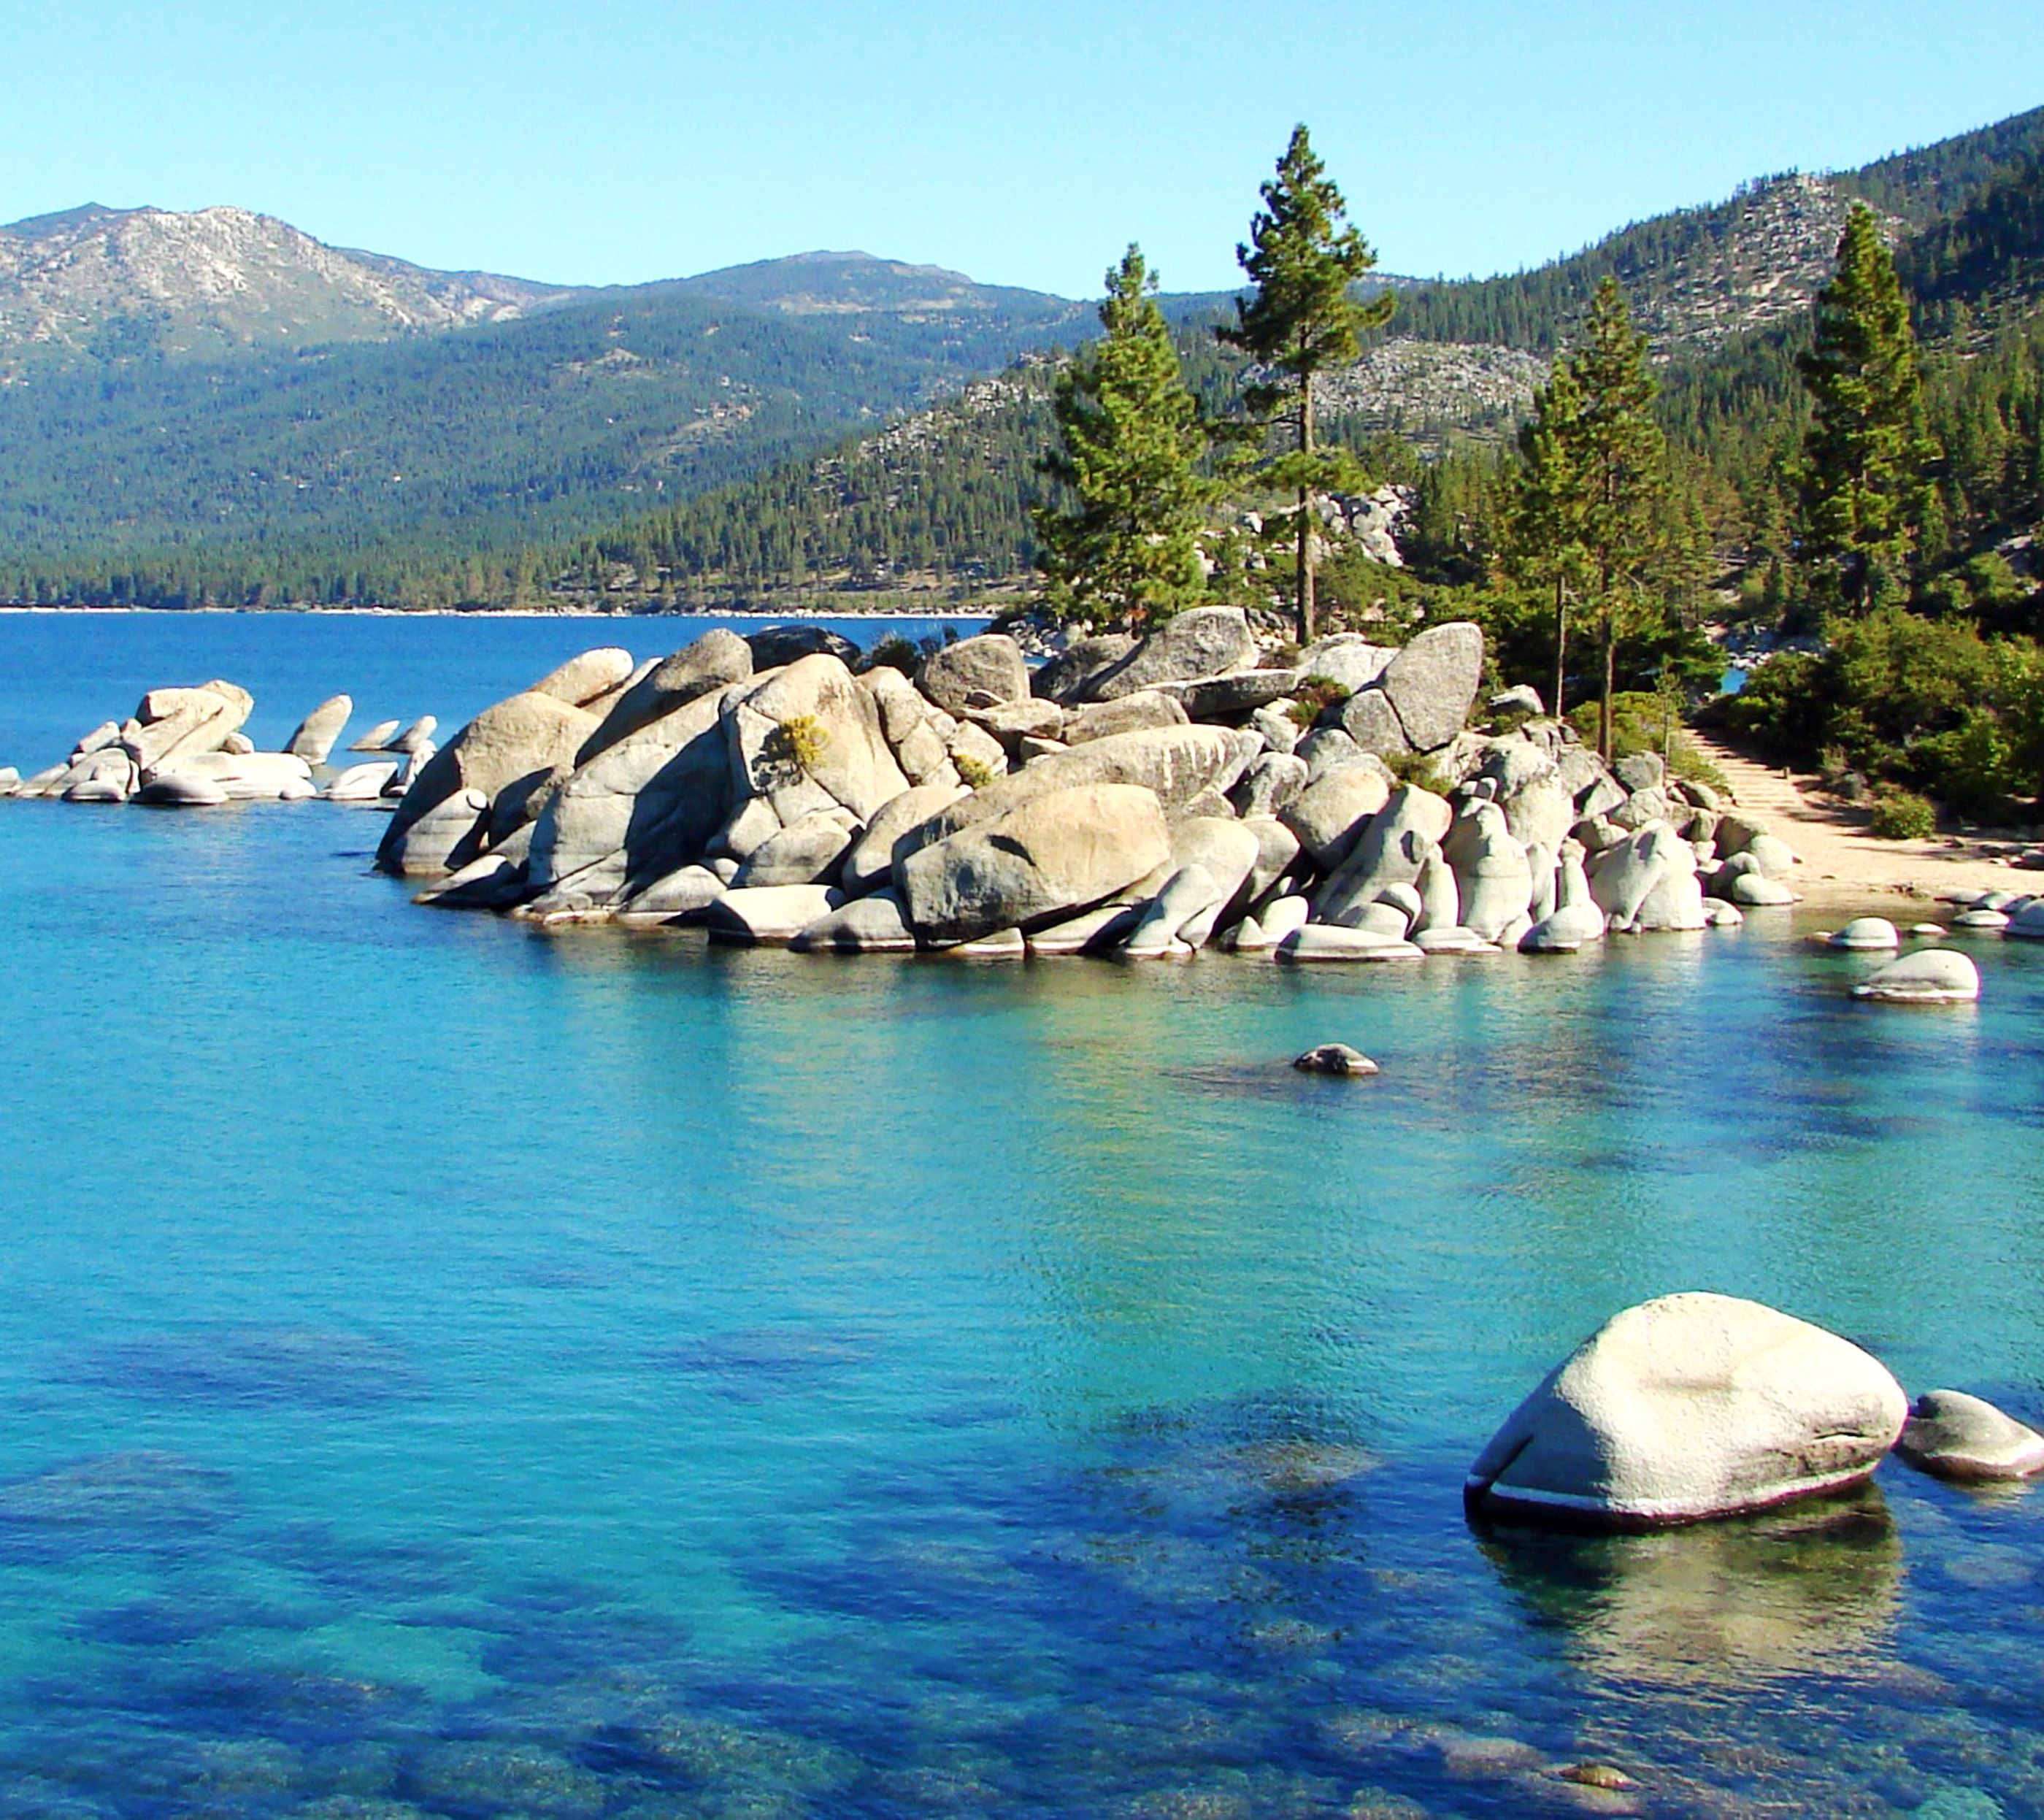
(1548, 507)
(1303, 257)
(1862, 490)
(1130, 440)
(1620, 461)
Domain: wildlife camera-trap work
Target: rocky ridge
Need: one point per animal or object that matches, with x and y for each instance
(217, 278)
(1151, 796)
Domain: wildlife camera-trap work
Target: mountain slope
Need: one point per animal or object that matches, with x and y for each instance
(215, 405)
(101, 283)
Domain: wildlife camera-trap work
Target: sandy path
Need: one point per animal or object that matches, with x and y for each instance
(1840, 860)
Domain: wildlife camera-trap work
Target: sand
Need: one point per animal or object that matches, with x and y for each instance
(1843, 863)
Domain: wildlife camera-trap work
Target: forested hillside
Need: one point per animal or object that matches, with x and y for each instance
(759, 434)
(418, 468)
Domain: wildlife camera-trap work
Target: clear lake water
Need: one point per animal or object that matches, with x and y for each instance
(451, 1368)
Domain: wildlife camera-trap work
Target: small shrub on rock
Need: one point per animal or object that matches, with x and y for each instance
(1314, 697)
(893, 652)
(800, 741)
(974, 773)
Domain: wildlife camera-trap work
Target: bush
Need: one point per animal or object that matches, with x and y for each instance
(1313, 696)
(974, 773)
(1902, 815)
(1419, 769)
(800, 741)
(893, 652)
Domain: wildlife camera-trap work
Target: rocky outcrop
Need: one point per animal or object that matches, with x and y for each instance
(1048, 856)
(1196, 814)
(317, 734)
(1686, 1407)
(506, 754)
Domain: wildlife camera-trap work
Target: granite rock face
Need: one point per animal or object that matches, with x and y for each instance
(317, 734)
(1686, 1407)
(1047, 857)
(990, 667)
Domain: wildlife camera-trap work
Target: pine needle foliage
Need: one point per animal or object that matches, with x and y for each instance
(1862, 493)
(1303, 258)
(1130, 440)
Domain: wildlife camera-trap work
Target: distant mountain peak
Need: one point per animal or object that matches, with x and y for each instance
(208, 280)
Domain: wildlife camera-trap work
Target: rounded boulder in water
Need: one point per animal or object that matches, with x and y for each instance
(1927, 976)
(1686, 1407)
(1952, 1435)
(1867, 932)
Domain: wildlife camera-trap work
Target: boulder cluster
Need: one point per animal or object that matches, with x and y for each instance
(1149, 796)
(1698, 1406)
(184, 748)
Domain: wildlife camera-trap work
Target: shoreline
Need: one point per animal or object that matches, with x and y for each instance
(977, 618)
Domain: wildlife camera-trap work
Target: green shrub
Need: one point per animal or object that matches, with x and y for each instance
(893, 652)
(1902, 815)
(800, 741)
(1313, 698)
(1419, 769)
(974, 773)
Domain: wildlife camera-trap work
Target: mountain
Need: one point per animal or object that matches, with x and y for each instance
(216, 405)
(94, 283)
(203, 404)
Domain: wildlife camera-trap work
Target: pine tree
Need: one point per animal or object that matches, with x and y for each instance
(1130, 438)
(1620, 459)
(1548, 507)
(1304, 257)
(1862, 490)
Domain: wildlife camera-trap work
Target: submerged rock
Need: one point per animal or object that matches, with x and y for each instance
(1690, 1407)
(1334, 1058)
(1956, 1436)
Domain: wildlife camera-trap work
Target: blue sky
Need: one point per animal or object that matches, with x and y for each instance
(617, 140)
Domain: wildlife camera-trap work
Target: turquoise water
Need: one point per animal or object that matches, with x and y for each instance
(450, 1369)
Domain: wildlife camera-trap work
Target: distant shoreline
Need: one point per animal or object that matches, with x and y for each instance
(976, 617)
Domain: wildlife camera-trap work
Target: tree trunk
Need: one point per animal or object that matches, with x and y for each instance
(1561, 644)
(1605, 742)
(1306, 601)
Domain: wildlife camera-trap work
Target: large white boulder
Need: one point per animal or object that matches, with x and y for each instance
(1044, 861)
(507, 753)
(1928, 975)
(1392, 847)
(314, 739)
(964, 675)
(808, 736)
(1688, 1407)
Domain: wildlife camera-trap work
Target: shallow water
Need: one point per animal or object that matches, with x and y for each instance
(451, 1368)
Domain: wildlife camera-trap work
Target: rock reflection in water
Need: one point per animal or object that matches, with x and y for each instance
(1812, 1588)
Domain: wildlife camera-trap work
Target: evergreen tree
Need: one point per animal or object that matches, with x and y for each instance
(1620, 459)
(1131, 437)
(1304, 257)
(1549, 506)
(1862, 492)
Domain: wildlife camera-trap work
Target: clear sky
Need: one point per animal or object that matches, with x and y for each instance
(616, 140)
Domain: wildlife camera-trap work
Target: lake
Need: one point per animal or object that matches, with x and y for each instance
(453, 1369)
